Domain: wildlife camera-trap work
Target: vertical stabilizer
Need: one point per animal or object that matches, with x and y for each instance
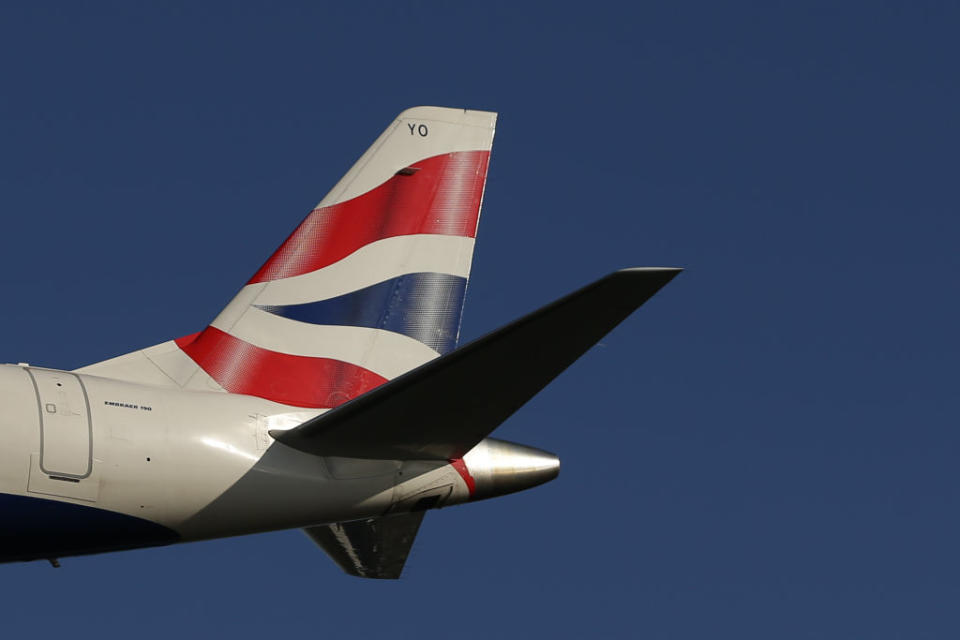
(370, 285)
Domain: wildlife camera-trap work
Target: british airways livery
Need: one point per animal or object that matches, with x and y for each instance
(328, 395)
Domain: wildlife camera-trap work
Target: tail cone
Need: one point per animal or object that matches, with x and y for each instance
(499, 467)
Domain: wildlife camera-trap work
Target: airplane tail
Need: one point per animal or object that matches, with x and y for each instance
(366, 295)
(369, 286)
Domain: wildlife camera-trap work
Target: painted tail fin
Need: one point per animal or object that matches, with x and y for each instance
(369, 286)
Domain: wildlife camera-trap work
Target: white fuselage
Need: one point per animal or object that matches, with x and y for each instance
(199, 464)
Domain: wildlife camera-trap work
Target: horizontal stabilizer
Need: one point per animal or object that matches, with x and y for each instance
(372, 548)
(442, 409)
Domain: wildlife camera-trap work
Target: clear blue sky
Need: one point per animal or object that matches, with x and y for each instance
(768, 449)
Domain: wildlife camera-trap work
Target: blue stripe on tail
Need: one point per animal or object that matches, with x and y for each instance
(425, 306)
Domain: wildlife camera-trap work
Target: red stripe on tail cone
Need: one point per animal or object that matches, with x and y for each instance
(441, 197)
(240, 367)
(461, 468)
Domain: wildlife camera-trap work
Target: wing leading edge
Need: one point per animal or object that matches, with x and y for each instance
(442, 409)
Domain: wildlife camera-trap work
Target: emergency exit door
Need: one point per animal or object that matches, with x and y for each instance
(65, 435)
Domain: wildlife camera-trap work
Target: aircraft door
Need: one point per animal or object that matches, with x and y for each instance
(65, 432)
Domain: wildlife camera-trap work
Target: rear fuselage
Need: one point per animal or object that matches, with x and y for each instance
(92, 464)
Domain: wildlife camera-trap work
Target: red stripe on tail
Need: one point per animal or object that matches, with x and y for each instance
(442, 196)
(240, 367)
